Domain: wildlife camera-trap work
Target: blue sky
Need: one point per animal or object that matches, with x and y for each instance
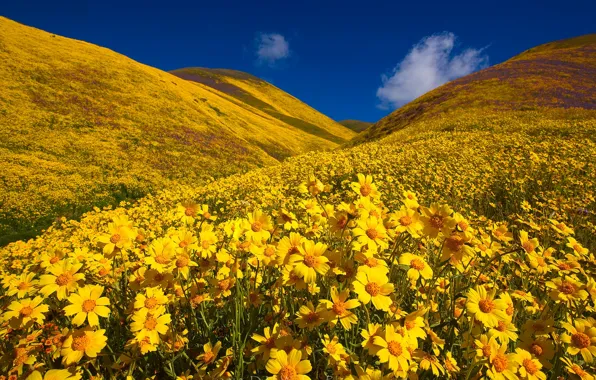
(339, 57)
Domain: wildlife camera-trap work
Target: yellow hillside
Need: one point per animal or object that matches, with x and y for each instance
(81, 125)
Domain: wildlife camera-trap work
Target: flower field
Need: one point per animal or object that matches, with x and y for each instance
(461, 249)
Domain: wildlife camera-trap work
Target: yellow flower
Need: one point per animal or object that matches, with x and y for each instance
(529, 368)
(371, 232)
(581, 339)
(187, 212)
(504, 331)
(62, 280)
(365, 186)
(577, 370)
(288, 367)
(88, 304)
(407, 219)
(23, 285)
(310, 260)
(146, 324)
(394, 349)
(54, 374)
(561, 227)
(209, 353)
(153, 300)
(373, 286)
(258, 226)
(120, 236)
(81, 343)
(483, 306)
(566, 289)
(207, 241)
(437, 219)
(24, 311)
(418, 267)
(267, 341)
(502, 366)
(161, 253)
(309, 317)
(333, 348)
(529, 245)
(578, 249)
(339, 308)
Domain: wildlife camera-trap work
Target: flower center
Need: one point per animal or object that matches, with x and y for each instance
(417, 264)
(23, 286)
(256, 226)
(463, 225)
(580, 340)
(331, 348)
(287, 373)
(150, 323)
(339, 308)
(372, 233)
(269, 251)
(436, 221)
(564, 266)
(310, 260)
(80, 343)
(405, 220)
(410, 325)
(63, 279)
(365, 190)
(88, 305)
(454, 243)
(501, 326)
(567, 288)
(530, 366)
(528, 246)
(394, 348)
(205, 244)
(183, 244)
(371, 262)
(26, 311)
(206, 215)
(161, 259)
(486, 350)
(189, 211)
(372, 288)
(115, 238)
(500, 363)
(150, 302)
(312, 317)
(182, 262)
(536, 349)
(486, 306)
(208, 357)
(54, 260)
(223, 284)
(577, 248)
(509, 309)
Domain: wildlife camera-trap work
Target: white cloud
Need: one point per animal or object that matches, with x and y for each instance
(272, 47)
(428, 65)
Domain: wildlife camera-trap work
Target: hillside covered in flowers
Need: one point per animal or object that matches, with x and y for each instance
(460, 246)
(81, 125)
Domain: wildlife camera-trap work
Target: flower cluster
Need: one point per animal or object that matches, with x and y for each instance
(331, 282)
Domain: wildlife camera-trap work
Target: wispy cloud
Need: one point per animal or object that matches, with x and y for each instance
(428, 65)
(271, 47)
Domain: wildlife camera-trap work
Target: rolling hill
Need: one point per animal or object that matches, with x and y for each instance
(478, 203)
(81, 125)
(556, 76)
(356, 125)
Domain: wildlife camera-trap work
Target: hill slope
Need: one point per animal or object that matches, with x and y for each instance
(557, 75)
(82, 125)
(492, 208)
(356, 125)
